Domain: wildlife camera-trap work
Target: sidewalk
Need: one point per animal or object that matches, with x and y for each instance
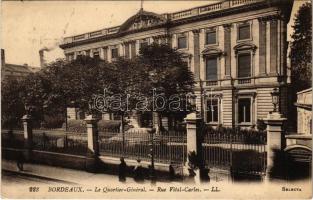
(65, 175)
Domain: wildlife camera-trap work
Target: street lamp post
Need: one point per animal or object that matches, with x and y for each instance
(275, 99)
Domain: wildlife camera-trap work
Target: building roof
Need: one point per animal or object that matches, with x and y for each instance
(20, 68)
(166, 20)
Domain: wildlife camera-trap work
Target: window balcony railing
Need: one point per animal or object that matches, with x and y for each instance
(244, 81)
(211, 83)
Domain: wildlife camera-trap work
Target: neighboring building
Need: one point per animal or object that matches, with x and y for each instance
(304, 110)
(13, 71)
(238, 49)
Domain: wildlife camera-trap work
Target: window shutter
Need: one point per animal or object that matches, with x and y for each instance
(211, 69)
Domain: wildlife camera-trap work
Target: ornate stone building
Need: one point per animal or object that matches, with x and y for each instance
(236, 49)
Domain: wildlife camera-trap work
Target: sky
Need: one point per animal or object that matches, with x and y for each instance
(28, 26)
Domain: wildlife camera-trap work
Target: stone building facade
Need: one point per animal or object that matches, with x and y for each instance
(236, 49)
(304, 111)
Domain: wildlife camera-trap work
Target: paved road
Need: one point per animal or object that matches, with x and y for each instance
(13, 178)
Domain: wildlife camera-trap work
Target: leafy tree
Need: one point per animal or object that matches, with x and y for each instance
(168, 75)
(12, 107)
(300, 57)
(301, 49)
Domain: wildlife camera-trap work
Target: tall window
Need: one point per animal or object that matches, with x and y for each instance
(244, 31)
(211, 69)
(210, 37)
(212, 110)
(244, 65)
(182, 42)
(244, 110)
(114, 53)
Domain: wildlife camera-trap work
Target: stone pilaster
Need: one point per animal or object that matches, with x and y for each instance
(196, 53)
(273, 46)
(227, 50)
(262, 47)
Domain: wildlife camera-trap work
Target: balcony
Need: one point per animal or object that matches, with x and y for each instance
(242, 81)
(171, 17)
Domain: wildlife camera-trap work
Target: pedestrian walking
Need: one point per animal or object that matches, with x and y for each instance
(138, 172)
(20, 161)
(122, 170)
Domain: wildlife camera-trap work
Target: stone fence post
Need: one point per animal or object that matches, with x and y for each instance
(275, 139)
(93, 144)
(28, 136)
(193, 144)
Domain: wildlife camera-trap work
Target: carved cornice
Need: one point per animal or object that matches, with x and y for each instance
(196, 31)
(227, 26)
(212, 51)
(245, 46)
(269, 18)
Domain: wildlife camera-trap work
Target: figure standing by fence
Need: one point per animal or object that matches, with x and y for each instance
(20, 161)
(122, 170)
(138, 172)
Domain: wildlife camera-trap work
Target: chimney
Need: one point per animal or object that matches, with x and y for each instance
(41, 57)
(2, 57)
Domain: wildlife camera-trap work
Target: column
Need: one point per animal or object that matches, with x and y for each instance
(196, 53)
(174, 41)
(127, 53)
(262, 47)
(109, 55)
(194, 142)
(202, 59)
(273, 46)
(133, 49)
(75, 55)
(93, 145)
(275, 140)
(137, 47)
(104, 53)
(28, 136)
(121, 50)
(227, 49)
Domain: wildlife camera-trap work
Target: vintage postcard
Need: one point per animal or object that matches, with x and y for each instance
(156, 99)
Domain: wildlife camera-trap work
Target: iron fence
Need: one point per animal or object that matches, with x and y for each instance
(67, 143)
(166, 147)
(242, 151)
(11, 139)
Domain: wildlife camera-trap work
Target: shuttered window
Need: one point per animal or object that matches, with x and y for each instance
(211, 69)
(244, 110)
(244, 65)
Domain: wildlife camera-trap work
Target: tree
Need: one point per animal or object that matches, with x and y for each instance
(168, 76)
(301, 49)
(12, 107)
(300, 57)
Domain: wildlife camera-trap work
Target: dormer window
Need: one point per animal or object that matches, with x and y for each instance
(244, 31)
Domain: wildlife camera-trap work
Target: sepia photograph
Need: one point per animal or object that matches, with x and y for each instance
(156, 99)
